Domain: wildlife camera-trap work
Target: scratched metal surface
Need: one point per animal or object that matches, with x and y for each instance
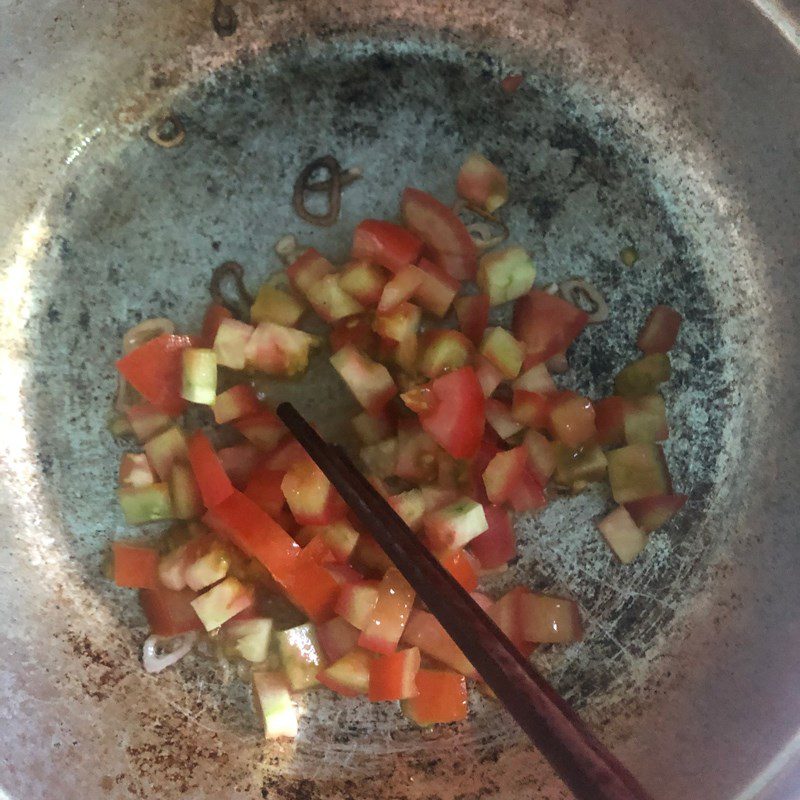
(600, 157)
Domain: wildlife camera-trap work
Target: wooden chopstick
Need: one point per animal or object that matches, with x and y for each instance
(584, 764)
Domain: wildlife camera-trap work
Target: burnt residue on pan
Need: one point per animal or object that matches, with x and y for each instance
(139, 236)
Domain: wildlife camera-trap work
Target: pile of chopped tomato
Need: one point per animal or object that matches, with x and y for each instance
(461, 426)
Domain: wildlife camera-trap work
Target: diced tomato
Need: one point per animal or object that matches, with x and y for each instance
(531, 409)
(286, 454)
(546, 324)
(337, 637)
(572, 420)
(135, 566)
(355, 331)
(651, 513)
(239, 461)
(400, 288)
(263, 429)
(239, 520)
(209, 473)
(456, 421)
(440, 228)
(416, 453)
(278, 350)
(308, 269)
(486, 452)
(498, 545)
(609, 418)
(165, 450)
(489, 376)
(310, 495)
(504, 474)
(234, 403)
(437, 290)
(364, 281)
(441, 697)
(356, 601)
(264, 489)
(168, 612)
(155, 370)
(147, 421)
(443, 351)
(214, 316)
(660, 331)
(386, 244)
(546, 619)
(473, 316)
(397, 325)
(501, 420)
(480, 182)
(535, 378)
(528, 494)
(349, 676)
(390, 614)
(542, 458)
(135, 470)
(507, 615)
(311, 587)
(460, 565)
(370, 382)
(392, 677)
(424, 631)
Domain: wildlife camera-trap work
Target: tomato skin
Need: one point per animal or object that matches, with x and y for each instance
(264, 488)
(546, 324)
(168, 612)
(135, 566)
(456, 420)
(385, 244)
(214, 483)
(442, 231)
(460, 565)
(155, 370)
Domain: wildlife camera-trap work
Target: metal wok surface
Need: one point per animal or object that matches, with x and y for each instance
(637, 124)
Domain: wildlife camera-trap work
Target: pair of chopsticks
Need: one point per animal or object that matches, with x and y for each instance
(580, 759)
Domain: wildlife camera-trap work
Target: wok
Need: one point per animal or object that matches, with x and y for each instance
(671, 127)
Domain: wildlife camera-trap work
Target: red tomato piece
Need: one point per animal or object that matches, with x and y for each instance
(441, 697)
(386, 244)
(239, 461)
(392, 677)
(460, 566)
(168, 612)
(337, 637)
(310, 495)
(528, 494)
(442, 231)
(389, 616)
(546, 324)
(609, 418)
(264, 489)
(286, 454)
(503, 475)
(426, 632)
(311, 587)
(456, 420)
(572, 420)
(437, 290)
(400, 288)
(212, 480)
(473, 316)
(236, 402)
(155, 370)
(498, 545)
(531, 409)
(242, 522)
(482, 183)
(660, 331)
(135, 566)
(356, 331)
(653, 512)
(211, 322)
(263, 429)
(486, 452)
(307, 269)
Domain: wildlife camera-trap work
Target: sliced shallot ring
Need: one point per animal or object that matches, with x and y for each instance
(581, 293)
(160, 652)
